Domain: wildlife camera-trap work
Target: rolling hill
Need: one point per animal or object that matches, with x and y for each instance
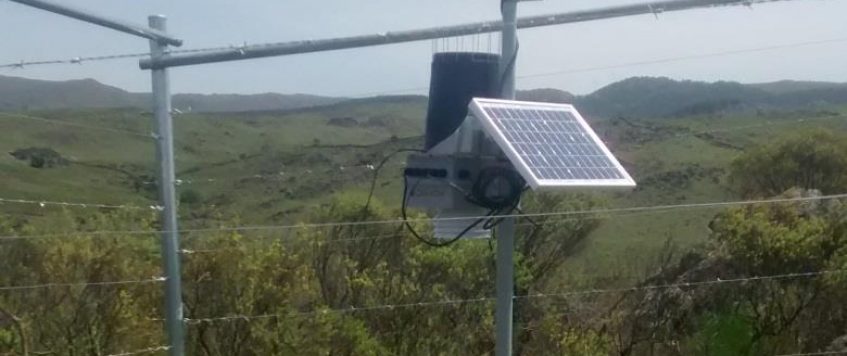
(633, 97)
(28, 94)
(271, 166)
(663, 97)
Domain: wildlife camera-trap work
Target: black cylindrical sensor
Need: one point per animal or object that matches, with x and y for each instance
(458, 77)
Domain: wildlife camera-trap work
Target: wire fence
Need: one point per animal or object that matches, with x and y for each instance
(564, 213)
(149, 350)
(81, 284)
(567, 294)
(793, 45)
(46, 203)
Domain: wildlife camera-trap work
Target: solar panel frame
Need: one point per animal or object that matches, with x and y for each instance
(526, 169)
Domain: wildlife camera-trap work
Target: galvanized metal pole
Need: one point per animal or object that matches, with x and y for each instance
(118, 25)
(167, 196)
(509, 57)
(505, 287)
(238, 53)
(505, 282)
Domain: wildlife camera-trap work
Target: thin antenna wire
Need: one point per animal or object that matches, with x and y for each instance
(75, 60)
(568, 213)
(341, 311)
(682, 285)
(498, 50)
(499, 42)
(81, 284)
(142, 351)
(57, 122)
(80, 60)
(98, 233)
(534, 296)
(686, 58)
(329, 241)
(193, 251)
(44, 203)
(278, 176)
(489, 42)
(445, 47)
(559, 213)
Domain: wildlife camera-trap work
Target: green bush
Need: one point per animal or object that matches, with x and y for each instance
(813, 159)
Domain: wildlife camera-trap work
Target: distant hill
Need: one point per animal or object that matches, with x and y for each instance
(19, 93)
(658, 97)
(633, 97)
(664, 97)
(546, 95)
(29, 94)
(791, 86)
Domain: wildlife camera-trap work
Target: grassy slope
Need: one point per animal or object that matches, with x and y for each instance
(682, 161)
(228, 149)
(674, 160)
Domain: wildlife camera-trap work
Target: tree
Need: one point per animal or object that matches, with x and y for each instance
(813, 159)
(70, 318)
(780, 302)
(788, 239)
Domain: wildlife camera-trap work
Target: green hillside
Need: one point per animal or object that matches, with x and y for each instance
(269, 167)
(684, 280)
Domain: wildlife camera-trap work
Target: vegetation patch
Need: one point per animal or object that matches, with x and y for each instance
(39, 157)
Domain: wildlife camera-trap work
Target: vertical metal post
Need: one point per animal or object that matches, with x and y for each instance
(167, 195)
(505, 286)
(505, 282)
(509, 55)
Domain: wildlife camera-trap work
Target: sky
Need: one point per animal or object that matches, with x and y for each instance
(579, 58)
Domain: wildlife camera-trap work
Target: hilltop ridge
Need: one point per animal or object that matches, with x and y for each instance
(632, 97)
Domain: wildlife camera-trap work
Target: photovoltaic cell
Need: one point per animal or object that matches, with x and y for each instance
(551, 145)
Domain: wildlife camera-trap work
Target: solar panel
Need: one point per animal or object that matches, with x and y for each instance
(551, 145)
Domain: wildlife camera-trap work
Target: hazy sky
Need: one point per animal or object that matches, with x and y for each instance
(31, 34)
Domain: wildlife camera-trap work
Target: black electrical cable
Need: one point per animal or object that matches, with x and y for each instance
(491, 223)
(378, 168)
(510, 65)
(517, 208)
(427, 241)
(536, 227)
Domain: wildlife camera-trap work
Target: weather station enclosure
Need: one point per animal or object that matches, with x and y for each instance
(481, 153)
